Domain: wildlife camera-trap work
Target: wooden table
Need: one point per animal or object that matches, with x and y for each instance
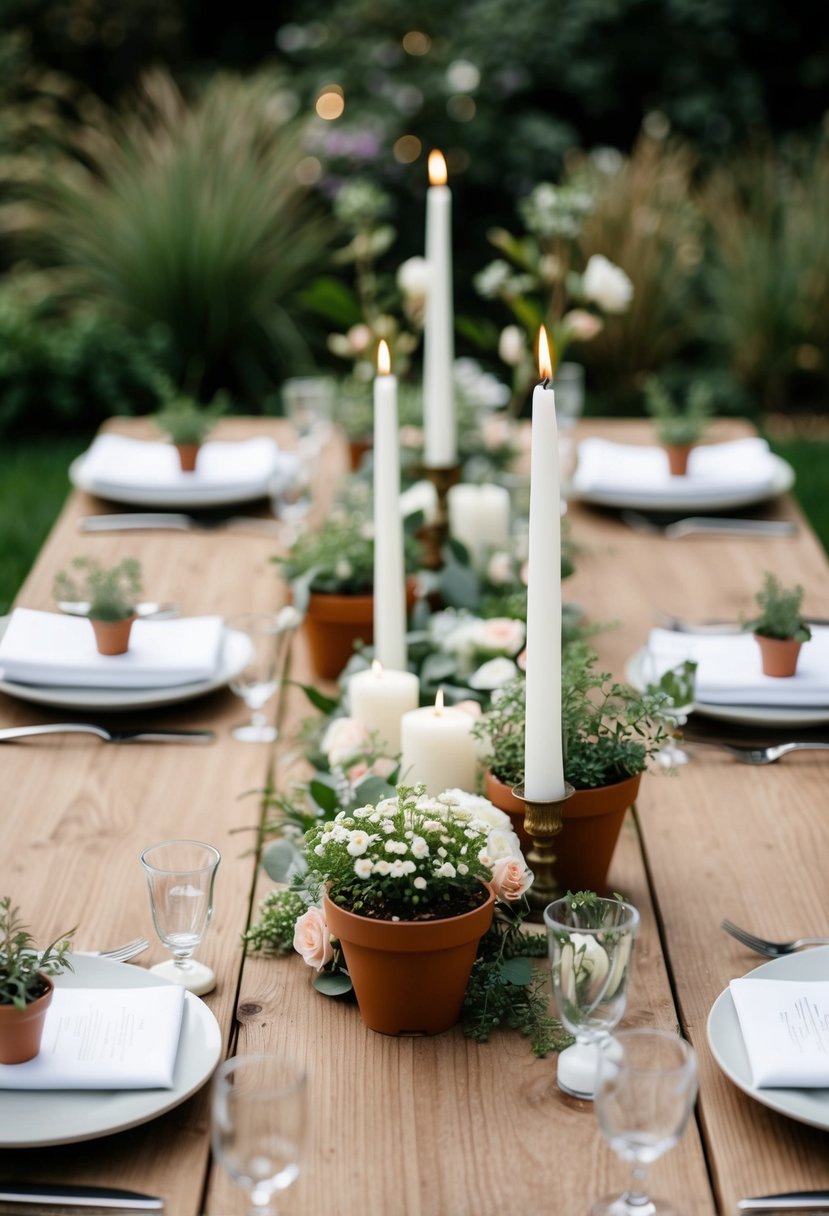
(428, 1127)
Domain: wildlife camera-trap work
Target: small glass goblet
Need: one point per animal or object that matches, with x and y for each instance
(678, 684)
(646, 1084)
(291, 494)
(269, 635)
(259, 1123)
(590, 945)
(180, 876)
(309, 403)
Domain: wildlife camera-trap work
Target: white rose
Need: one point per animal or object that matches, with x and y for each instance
(503, 844)
(359, 338)
(414, 278)
(312, 939)
(493, 674)
(344, 740)
(512, 345)
(606, 285)
(581, 324)
(499, 569)
(500, 635)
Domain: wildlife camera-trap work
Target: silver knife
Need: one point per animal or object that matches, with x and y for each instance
(173, 521)
(79, 1196)
(790, 1201)
(153, 735)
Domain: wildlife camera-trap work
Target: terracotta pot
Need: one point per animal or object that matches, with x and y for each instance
(592, 822)
(112, 637)
(409, 977)
(778, 655)
(188, 454)
(678, 454)
(332, 624)
(357, 449)
(21, 1030)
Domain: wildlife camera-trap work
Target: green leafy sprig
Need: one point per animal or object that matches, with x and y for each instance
(22, 967)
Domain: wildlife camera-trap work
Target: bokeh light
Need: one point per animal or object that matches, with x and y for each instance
(416, 43)
(407, 149)
(330, 102)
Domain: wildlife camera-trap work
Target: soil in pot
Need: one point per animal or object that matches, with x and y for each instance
(779, 656)
(592, 822)
(21, 1030)
(112, 637)
(409, 977)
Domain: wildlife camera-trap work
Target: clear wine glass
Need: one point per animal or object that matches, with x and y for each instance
(678, 684)
(646, 1084)
(180, 876)
(309, 403)
(269, 636)
(291, 494)
(259, 1123)
(590, 945)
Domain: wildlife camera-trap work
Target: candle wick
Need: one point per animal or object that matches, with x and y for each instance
(545, 383)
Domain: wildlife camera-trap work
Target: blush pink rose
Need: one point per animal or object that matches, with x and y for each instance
(312, 939)
(344, 740)
(510, 878)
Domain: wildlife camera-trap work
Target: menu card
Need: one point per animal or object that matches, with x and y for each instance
(105, 1038)
(785, 1026)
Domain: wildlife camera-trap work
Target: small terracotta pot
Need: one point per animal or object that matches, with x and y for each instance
(409, 977)
(357, 449)
(188, 454)
(332, 624)
(678, 454)
(21, 1030)
(778, 655)
(112, 637)
(592, 822)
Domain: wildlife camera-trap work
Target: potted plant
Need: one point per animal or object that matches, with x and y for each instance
(608, 734)
(780, 630)
(679, 426)
(187, 424)
(25, 984)
(408, 888)
(110, 594)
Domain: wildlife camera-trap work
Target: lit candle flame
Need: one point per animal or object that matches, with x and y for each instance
(376, 668)
(439, 701)
(383, 358)
(545, 363)
(437, 168)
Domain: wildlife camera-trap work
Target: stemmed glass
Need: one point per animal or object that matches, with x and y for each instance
(590, 943)
(646, 1084)
(291, 494)
(309, 403)
(180, 876)
(269, 635)
(259, 1123)
(678, 684)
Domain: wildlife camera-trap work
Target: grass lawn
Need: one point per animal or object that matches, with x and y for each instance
(34, 484)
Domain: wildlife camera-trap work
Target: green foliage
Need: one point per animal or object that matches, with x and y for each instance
(608, 731)
(779, 615)
(678, 423)
(21, 965)
(190, 218)
(184, 420)
(273, 933)
(110, 591)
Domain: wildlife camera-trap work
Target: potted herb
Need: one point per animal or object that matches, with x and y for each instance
(187, 424)
(109, 594)
(780, 630)
(25, 984)
(679, 426)
(608, 734)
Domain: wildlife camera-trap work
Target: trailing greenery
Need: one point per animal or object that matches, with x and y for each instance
(21, 964)
(678, 423)
(608, 731)
(110, 591)
(273, 932)
(779, 615)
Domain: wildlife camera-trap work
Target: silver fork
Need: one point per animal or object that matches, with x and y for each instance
(768, 755)
(708, 524)
(771, 949)
(120, 954)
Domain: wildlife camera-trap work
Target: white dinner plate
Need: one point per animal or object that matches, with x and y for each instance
(726, 1040)
(747, 715)
(34, 1119)
(782, 479)
(180, 500)
(234, 655)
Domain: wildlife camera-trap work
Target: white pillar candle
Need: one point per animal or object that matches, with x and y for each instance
(543, 763)
(379, 698)
(479, 517)
(440, 426)
(389, 570)
(439, 750)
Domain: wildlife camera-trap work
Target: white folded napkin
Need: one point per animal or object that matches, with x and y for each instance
(59, 650)
(722, 469)
(729, 671)
(785, 1026)
(119, 463)
(105, 1038)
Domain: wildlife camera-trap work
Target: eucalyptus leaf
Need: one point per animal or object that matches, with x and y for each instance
(437, 667)
(333, 985)
(326, 705)
(324, 794)
(372, 790)
(282, 859)
(461, 587)
(517, 971)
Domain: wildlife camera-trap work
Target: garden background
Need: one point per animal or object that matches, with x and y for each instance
(218, 203)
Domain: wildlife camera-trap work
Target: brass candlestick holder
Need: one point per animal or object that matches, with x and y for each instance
(433, 535)
(542, 822)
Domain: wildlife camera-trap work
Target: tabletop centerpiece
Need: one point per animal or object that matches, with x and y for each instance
(680, 425)
(779, 628)
(187, 423)
(108, 594)
(25, 984)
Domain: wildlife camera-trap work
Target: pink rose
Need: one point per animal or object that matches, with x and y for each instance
(473, 708)
(357, 772)
(510, 878)
(581, 324)
(344, 740)
(500, 635)
(312, 939)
